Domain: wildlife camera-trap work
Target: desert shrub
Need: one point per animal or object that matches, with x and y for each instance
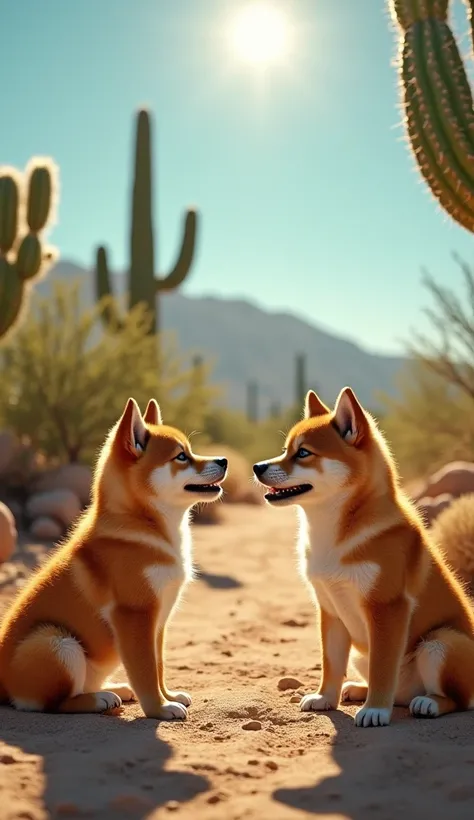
(433, 420)
(64, 382)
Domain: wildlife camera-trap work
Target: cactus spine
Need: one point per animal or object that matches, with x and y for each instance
(438, 103)
(143, 286)
(26, 211)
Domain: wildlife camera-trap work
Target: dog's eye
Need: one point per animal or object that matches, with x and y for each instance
(303, 453)
(182, 457)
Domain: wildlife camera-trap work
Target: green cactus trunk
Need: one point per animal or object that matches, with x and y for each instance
(23, 256)
(438, 104)
(300, 379)
(143, 285)
(252, 402)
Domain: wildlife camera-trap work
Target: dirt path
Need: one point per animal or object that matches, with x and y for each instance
(241, 628)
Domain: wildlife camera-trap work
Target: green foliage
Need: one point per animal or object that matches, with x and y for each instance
(64, 384)
(143, 286)
(437, 102)
(255, 440)
(26, 211)
(431, 423)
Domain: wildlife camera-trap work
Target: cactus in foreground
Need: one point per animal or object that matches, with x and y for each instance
(143, 286)
(438, 104)
(26, 210)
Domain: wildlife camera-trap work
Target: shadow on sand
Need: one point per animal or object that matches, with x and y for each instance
(413, 769)
(217, 581)
(100, 765)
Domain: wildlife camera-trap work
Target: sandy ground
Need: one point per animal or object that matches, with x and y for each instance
(242, 627)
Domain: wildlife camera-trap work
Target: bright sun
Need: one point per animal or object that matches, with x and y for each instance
(260, 34)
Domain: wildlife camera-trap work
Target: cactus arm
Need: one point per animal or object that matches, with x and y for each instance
(12, 296)
(9, 207)
(142, 287)
(186, 254)
(438, 105)
(104, 291)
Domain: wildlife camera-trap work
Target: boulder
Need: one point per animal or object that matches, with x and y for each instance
(46, 529)
(455, 478)
(8, 533)
(62, 505)
(74, 477)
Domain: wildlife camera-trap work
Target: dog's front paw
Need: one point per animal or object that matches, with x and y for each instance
(316, 703)
(180, 697)
(424, 706)
(170, 711)
(369, 716)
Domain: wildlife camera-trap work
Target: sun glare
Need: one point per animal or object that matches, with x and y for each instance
(260, 34)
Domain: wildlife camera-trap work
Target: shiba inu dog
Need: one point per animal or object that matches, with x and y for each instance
(107, 593)
(383, 588)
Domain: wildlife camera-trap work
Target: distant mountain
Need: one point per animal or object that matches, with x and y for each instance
(247, 343)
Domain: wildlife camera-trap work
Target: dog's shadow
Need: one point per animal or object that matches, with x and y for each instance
(216, 581)
(100, 765)
(413, 768)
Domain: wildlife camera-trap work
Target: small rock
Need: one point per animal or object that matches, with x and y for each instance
(172, 805)
(226, 652)
(46, 529)
(295, 622)
(216, 798)
(270, 764)
(253, 762)
(252, 725)
(7, 759)
(295, 698)
(289, 683)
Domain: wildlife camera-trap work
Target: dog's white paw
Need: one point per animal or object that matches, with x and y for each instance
(315, 703)
(180, 697)
(372, 717)
(171, 711)
(424, 706)
(107, 700)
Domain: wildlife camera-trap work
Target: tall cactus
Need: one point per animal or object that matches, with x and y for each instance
(143, 286)
(301, 381)
(438, 103)
(252, 402)
(26, 210)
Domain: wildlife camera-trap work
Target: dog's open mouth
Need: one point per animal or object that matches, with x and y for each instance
(279, 493)
(202, 488)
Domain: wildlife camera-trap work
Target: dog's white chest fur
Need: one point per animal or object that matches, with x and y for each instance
(339, 586)
(168, 581)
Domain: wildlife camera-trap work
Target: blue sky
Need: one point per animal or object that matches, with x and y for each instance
(309, 199)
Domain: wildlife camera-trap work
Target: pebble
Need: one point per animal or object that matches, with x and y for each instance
(270, 764)
(252, 725)
(289, 683)
(295, 698)
(172, 805)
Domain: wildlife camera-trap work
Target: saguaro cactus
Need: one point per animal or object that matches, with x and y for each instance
(301, 381)
(143, 285)
(438, 103)
(26, 209)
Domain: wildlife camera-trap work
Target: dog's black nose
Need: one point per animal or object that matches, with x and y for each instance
(222, 462)
(260, 468)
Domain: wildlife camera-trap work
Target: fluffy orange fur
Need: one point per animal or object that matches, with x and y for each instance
(106, 594)
(387, 599)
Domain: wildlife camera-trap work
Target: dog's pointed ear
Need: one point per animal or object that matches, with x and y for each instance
(313, 406)
(131, 430)
(349, 417)
(152, 413)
